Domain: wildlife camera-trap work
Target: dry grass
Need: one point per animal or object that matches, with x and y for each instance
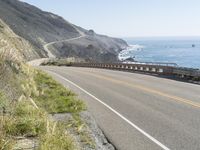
(25, 120)
(20, 117)
(6, 143)
(9, 59)
(56, 138)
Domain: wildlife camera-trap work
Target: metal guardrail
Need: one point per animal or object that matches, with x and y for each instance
(186, 72)
(154, 63)
(154, 69)
(144, 68)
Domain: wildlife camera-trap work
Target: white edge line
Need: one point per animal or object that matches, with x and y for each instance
(118, 114)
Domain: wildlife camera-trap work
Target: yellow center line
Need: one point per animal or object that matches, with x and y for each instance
(149, 90)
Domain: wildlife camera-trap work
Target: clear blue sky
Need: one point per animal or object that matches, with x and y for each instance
(129, 18)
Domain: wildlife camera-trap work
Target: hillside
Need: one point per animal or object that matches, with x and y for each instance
(39, 28)
(28, 97)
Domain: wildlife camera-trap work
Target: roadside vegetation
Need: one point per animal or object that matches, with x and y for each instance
(63, 100)
(64, 61)
(25, 114)
(25, 120)
(57, 62)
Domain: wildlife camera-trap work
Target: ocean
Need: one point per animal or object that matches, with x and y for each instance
(184, 51)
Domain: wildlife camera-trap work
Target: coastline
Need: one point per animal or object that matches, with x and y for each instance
(182, 51)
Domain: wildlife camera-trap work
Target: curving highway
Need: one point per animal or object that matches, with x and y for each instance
(50, 55)
(137, 112)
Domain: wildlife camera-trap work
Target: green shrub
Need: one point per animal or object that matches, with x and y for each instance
(57, 62)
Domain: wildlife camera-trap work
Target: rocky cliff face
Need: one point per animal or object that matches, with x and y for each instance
(94, 48)
(39, 28)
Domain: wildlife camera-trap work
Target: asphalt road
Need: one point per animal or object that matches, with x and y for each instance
(39, 61)
(46, 46)
(137, 112)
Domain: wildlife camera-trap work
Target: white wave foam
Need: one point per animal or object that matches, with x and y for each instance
(129, 52)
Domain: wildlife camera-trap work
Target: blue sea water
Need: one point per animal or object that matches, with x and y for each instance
(169, 50)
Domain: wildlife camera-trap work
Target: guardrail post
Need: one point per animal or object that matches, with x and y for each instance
(153, 70)
(160, 70)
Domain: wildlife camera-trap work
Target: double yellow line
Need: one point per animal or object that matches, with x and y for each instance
(143, 88)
